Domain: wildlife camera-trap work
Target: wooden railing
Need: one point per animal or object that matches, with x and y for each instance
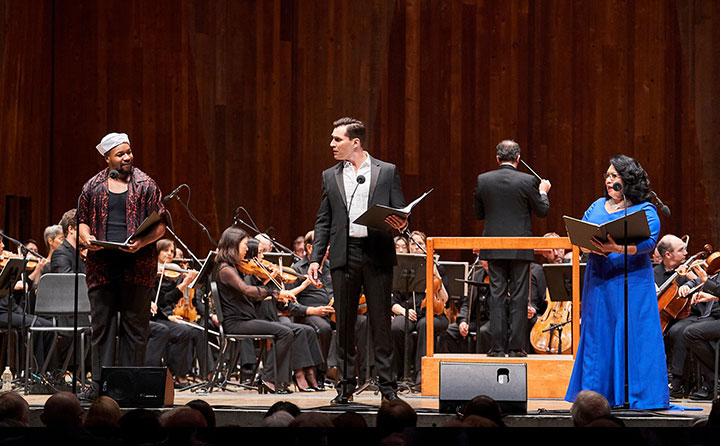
(438, 243)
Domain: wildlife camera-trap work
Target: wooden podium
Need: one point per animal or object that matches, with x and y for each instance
(547, 375)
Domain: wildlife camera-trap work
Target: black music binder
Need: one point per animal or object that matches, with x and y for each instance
(581, 232)
(153, 219)
(376, 215)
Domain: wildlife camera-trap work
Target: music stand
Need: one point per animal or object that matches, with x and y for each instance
(408, 277)
(279, 258)
(203, 277)
(559, 282)
(453, 271)
(8, 278)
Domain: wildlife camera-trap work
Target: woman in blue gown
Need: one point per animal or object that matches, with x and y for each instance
(600, 359)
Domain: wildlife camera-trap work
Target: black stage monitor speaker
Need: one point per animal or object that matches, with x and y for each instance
(138, 386)
(462, 381)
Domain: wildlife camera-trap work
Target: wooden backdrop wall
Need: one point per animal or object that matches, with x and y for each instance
(236, 98)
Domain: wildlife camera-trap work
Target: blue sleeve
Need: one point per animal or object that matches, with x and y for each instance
(648, 245)
(591, 209)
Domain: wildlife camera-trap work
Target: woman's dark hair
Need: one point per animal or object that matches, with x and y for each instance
(228, 245)
(252, 250)
(484, 406)
(635, 179)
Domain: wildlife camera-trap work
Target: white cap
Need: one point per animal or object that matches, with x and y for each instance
(110, 141)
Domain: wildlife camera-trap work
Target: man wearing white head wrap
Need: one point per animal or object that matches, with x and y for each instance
(112, 206)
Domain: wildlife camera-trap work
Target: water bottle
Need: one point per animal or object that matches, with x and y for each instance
(7, 379)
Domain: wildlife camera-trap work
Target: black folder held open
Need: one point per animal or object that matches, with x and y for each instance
(376, 215)
(581, 232)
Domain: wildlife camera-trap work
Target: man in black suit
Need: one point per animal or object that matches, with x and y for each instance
(504, 198)
(63, 258)
(365, 260)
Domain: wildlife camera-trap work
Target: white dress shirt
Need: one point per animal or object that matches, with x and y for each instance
(362, 195)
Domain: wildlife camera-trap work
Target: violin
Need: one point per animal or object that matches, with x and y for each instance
(171, 271)
(672, 306)
(185, 308)
(32, 261)
(438, 304)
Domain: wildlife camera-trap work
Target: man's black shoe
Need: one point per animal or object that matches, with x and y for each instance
(341, 399)
(702, 393)
(389, 397)
(494, 354)
(517, 354)
(677, 392)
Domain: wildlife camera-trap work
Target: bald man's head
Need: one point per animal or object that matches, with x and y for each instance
(62, 410)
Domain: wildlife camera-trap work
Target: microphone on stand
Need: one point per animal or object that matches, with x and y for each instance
(114, 174)
(663, 208)
(360, 180)
(618, 187)
(172, 195)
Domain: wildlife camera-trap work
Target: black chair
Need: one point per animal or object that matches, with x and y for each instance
(56, 301)
(225, 339)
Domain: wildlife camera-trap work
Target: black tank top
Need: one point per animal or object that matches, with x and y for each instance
(116, 230)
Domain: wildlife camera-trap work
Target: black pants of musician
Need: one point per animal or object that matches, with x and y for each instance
(283, 342)
(133, 304)
(158, 341)
(377, 285)
(305, 351)
(698, 337)
(454, 343)
(675, 340)
(509, 276)
(41, 340)
(440, 324)
(323, 330)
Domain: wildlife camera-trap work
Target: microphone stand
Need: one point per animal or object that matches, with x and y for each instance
(279, 246)
(626, 403)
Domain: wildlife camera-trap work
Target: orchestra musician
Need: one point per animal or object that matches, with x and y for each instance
(119, 280)
(504, 198)
(600, 359)
(239, 302)
(672, 252)
(63, 259)
(416, 314)
(367, 257)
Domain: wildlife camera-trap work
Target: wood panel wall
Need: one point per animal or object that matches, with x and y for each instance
(236, 99)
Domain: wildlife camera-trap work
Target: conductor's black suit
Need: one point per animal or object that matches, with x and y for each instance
(369, 261)
(505, 199)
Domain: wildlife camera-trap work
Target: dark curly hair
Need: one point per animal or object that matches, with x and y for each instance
(634, 177)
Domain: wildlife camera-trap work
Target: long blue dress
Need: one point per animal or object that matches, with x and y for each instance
(600, 359)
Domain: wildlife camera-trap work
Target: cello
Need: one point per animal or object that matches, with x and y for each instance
(670, 304)
(545, 336)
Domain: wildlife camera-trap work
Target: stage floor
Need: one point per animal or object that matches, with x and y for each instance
(246, 408)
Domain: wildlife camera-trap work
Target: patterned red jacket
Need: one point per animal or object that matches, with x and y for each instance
(143, 198)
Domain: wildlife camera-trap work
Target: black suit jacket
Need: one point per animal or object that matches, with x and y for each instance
(505, 198)
(63, 259)
(331, 222)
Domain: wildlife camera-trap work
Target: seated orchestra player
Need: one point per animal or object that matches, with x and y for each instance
(170, 308)
(455, 338)
(314, 305)
(306, 355)
(240, 302)
(416, 316)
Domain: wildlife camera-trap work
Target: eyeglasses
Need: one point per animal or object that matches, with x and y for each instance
(614, 176)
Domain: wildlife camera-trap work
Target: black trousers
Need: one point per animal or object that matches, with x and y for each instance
(376, 282)
(454, 343)
(157, 344)
(283, 341)
(675, 340)
(698, 336)
(133, 304)
(513, 277)
(359, 354)
(305, 349)
(440, 324)
(323, 331)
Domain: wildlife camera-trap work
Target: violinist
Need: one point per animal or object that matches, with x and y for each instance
(467, 318)
(239, 302)
(416, 314)
(702, 329)
(169, 290)
(672, 253)
(306, 354)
